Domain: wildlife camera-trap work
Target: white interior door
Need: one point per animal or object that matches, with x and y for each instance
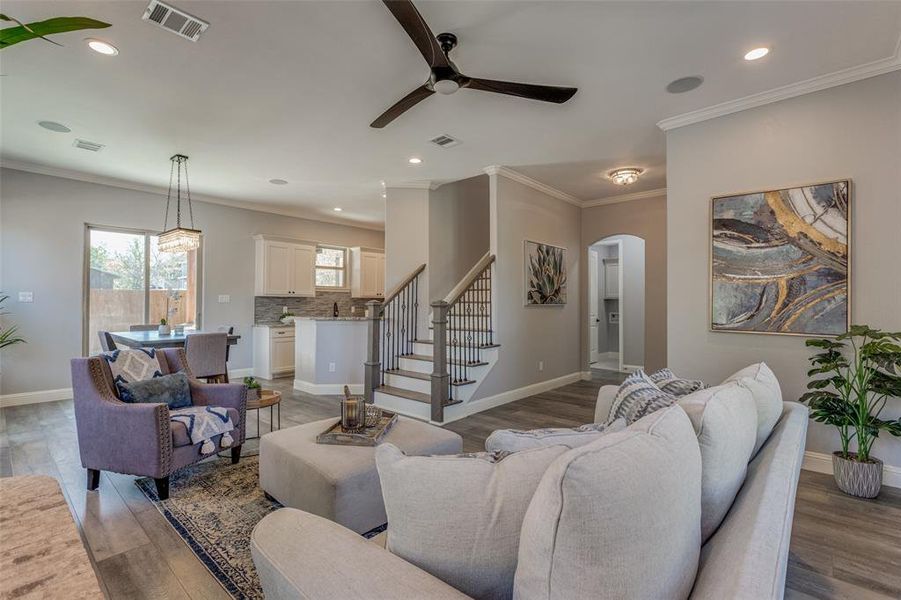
(593, 318)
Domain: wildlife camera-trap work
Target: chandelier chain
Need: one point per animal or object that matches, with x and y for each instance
(169, 195)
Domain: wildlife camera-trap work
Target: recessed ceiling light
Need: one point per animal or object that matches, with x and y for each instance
(102, 47)
(54, 126)
(757, 53)
(685, 84)
(384, 195)
(278, 182)
(415, 161)
(337, 209)
(625, 176)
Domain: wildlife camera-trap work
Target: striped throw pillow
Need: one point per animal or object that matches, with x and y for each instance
(637, 397)
(667, 381)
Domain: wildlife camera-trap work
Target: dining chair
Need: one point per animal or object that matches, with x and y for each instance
(206, 354)
(106, 341)
(229, 330)
(150, 327)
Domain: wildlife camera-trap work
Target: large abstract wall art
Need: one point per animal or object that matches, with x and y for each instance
(780, 261)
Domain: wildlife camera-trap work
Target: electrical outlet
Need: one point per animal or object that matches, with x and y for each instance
(331, 367)
(224, 298)
(541, 365)
(26, 296)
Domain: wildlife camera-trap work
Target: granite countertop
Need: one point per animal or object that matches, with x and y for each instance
(329, 318)
(271, 324)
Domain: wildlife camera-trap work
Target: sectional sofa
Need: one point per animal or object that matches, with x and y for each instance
(692, 501)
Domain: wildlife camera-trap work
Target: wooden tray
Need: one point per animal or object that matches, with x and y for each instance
(370, 436)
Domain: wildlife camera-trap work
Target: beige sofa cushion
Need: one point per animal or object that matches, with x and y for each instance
(459, 518)
(760, 380)
(617, 518)
(516, 440)
(725, 419)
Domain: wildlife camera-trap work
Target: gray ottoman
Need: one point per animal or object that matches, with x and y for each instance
(340, 483)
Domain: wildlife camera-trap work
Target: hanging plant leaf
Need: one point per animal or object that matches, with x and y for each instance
(39, 29)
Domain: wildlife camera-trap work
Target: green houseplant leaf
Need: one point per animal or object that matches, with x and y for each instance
(8, 335)
(40, 29)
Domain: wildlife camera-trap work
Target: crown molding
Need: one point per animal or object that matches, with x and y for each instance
(159, 191)
(413, 185)
(814, 84)
(625, 198)
(532, 183)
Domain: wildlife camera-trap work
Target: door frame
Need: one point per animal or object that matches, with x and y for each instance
(619, 252)
(593, 287)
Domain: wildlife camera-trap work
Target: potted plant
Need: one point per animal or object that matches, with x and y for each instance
(287, 317)
(859, 371)
(164, 327)
(253, 388)
(8, 335)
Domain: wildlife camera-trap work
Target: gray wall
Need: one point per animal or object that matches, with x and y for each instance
(531, 334)
(849, 131)
(407, 243)
(646, 219)
(458, 232)
(42, 231)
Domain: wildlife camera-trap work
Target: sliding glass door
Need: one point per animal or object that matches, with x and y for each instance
(128, 281)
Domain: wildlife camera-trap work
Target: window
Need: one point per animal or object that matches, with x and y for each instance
(130, 282)
(331, 267)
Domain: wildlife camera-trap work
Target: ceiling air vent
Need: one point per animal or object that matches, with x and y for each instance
(86, 145)
(175, 20)
(445, 141)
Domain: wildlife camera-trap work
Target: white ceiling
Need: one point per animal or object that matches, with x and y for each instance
(288, 89)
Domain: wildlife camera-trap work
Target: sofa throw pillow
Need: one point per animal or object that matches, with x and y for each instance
(128, 365)
(760, 380)
(459, 517)
(725, 420)
(667, 381)
(637, 397)
(172, 389)
(515, 440)
(589, 531)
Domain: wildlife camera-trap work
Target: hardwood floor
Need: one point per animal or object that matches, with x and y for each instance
(841, 547)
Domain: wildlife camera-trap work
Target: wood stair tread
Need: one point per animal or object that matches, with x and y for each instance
(411, 395)
(480, 346)
(425, 358)
(411, 374)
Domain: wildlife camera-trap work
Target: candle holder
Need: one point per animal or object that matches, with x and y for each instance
(353, 414)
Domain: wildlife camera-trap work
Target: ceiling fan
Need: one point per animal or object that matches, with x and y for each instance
(445, 78)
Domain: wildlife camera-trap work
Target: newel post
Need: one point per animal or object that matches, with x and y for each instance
(373, 366)
(440, 376)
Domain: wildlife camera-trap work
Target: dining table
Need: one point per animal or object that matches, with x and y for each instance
(154, 339)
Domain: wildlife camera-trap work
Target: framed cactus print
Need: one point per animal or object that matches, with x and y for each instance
(545, 274)
(780, 261)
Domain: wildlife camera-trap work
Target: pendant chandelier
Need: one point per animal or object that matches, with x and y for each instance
(179, 239)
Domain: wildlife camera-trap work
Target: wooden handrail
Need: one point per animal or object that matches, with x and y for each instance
(399, 287)
(469, 278)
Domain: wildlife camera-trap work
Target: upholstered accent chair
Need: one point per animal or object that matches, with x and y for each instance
(139, 439)
(207, 354)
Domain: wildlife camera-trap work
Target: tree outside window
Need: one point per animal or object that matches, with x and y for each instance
(331, 267)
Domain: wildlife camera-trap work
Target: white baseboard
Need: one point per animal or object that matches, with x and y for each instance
(631, 368)
(470, 408)
(35, 397)
(326, 389)
(235, 375)
(822, 463)
(586, 375)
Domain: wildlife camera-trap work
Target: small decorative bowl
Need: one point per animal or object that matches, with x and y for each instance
(373, 415)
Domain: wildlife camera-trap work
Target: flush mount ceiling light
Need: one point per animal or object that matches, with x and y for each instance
(102, 47)
(757, 53)
(54, 126)
(684, 84)
(278, 182)
(625, 176)
(178, 239)
(415, 161)
(337, 209)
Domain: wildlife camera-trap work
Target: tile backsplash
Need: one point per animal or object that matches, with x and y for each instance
(267, 309)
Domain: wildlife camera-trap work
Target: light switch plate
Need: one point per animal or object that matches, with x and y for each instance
(224, 298)
(26, 296)
(331, 367)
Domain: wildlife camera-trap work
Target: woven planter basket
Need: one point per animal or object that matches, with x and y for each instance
(863, 480)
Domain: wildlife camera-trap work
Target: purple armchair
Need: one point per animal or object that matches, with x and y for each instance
(139, 439)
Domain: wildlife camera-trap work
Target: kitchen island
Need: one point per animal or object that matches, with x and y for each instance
(329, 353)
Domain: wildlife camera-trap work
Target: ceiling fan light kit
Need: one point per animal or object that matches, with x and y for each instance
(445, 78)
(178, 239)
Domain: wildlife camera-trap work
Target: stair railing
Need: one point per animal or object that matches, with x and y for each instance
(462, 326)
(393, 325)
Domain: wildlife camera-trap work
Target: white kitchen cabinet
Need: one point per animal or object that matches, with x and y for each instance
(273, 351)
(284, 268)
(367, 273)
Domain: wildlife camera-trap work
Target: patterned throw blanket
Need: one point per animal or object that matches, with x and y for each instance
(203, 424)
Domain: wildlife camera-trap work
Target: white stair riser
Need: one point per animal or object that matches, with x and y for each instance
(420, 366)
(408, 383)
(404, 406)
(424, 349)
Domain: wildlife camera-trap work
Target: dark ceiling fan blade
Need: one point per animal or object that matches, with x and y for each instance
(402, 106)
(418, 30)
(545, 93)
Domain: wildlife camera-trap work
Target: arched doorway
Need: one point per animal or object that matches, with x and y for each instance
(616, 299)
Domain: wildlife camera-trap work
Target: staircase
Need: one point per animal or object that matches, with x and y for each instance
(428, 372)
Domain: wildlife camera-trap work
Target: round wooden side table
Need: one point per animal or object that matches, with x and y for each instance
(268, 399)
